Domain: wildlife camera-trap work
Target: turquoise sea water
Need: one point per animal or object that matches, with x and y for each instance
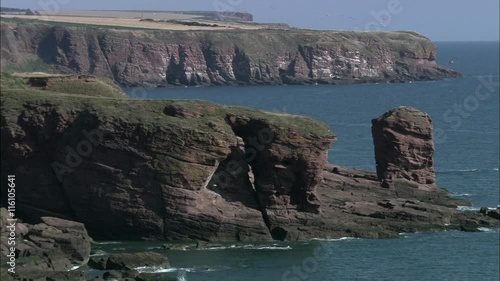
(465, 113)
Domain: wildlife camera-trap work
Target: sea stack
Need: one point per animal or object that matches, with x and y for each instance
(404, 146)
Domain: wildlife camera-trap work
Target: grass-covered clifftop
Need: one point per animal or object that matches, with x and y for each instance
(133, 56)
(72, 92)
(43, 83)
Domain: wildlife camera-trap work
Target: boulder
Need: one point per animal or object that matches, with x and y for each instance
(55, 245)
(201, 245)
(494, 213)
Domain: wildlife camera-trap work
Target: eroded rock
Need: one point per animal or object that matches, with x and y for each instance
(404, 146)
(48, 248)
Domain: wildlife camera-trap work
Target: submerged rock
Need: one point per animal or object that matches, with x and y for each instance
(125, 266)
(136, 260)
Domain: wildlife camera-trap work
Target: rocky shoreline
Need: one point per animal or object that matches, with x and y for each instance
(197, 171)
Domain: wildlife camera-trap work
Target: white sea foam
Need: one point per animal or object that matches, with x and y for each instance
(98, 254)
(404, 235)
(108, 242)
(472, 208)
(181, 276)
(155, 269)
(251, 247)
(485, 229)
(472, 170)
(335, 239)
(75, 267)
(467, 208)
(456, 194)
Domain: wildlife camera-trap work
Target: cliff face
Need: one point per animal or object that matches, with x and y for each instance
(148, 57)
(193, 170)
(181, 170)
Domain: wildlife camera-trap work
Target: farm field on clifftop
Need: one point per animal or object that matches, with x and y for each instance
(173, 23)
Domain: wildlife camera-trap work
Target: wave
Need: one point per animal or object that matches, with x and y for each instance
(468, 208)
(473, 131)
(472, 208)
(404, 234)
(108, 242)
(335, 239)
(99, 254)
(250, 247)
(485, 229)
(456, 194)
(155, 269)
(465, 171)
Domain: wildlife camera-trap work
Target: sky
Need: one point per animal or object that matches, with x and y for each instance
(440, 20)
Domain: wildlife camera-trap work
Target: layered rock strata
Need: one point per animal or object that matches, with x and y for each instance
(158, 58)
(52, 247)
(404, 146)
(194, 170)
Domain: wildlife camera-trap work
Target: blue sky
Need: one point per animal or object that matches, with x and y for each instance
(441, 20)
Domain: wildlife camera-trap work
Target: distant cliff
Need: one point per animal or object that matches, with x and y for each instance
(155, 58)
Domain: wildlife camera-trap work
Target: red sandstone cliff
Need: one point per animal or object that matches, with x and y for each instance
(148, 57)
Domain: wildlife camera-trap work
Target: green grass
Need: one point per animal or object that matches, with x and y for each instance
(105, 99)
(33, 65)
(7, 81)
(101, 87)
(63, 84)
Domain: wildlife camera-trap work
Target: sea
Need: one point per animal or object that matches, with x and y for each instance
(465, 114)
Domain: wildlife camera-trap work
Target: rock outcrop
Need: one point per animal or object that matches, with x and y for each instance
(194, 170)
(150, 57)
(51, 247)
(404, 146)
